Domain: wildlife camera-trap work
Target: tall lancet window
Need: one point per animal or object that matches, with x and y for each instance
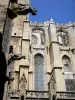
(39, 72)
(69, 78)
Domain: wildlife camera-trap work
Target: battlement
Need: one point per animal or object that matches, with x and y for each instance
(67, 25)
(58, 25)
(39, 24)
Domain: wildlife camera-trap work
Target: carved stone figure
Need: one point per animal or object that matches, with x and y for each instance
(23, 82)
(19, 9)
(15, 57)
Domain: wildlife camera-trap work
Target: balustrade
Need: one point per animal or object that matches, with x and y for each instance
(37, 94)
(65, 95)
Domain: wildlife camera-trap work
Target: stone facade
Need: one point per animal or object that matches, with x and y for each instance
(49, 46)
(49, 67)
(61, 50)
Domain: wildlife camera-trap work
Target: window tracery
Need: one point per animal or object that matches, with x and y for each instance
(23, 82)
(53, 86)
(41, 32)
(34, 40)
(39, 72)
(63, 38)
(70, 84)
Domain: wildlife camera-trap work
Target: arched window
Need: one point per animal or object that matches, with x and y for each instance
(66, 63)
(41, 34)
(39, 72)
(69, 78)
(34, 40)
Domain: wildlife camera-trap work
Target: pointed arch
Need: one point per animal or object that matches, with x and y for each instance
(38, 28)
(39, 71)
(23, 82)
(53, 85)
(42, 33)
(34, 39)
(66, 63)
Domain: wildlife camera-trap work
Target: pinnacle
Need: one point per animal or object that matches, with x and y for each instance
(51, 20)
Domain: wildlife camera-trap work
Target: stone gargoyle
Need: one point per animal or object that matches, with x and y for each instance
(19, 9)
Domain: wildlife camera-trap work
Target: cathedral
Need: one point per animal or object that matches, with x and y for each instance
(48, 70)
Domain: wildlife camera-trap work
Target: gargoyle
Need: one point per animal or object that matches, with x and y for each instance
(15, 57)
(19, 9)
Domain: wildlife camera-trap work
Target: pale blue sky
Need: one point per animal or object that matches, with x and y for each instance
(62, 11)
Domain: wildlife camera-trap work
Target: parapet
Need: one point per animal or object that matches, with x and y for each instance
(66, 25)
(37, 24)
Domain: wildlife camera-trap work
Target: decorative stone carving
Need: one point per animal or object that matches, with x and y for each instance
(37, 94)
(40, 34)
(23, 82)
(20, 9)
(34, 40)
(53, 86)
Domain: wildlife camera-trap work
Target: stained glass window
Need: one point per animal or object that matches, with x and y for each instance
(39, 72)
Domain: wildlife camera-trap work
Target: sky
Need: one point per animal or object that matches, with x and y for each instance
(62, 11)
